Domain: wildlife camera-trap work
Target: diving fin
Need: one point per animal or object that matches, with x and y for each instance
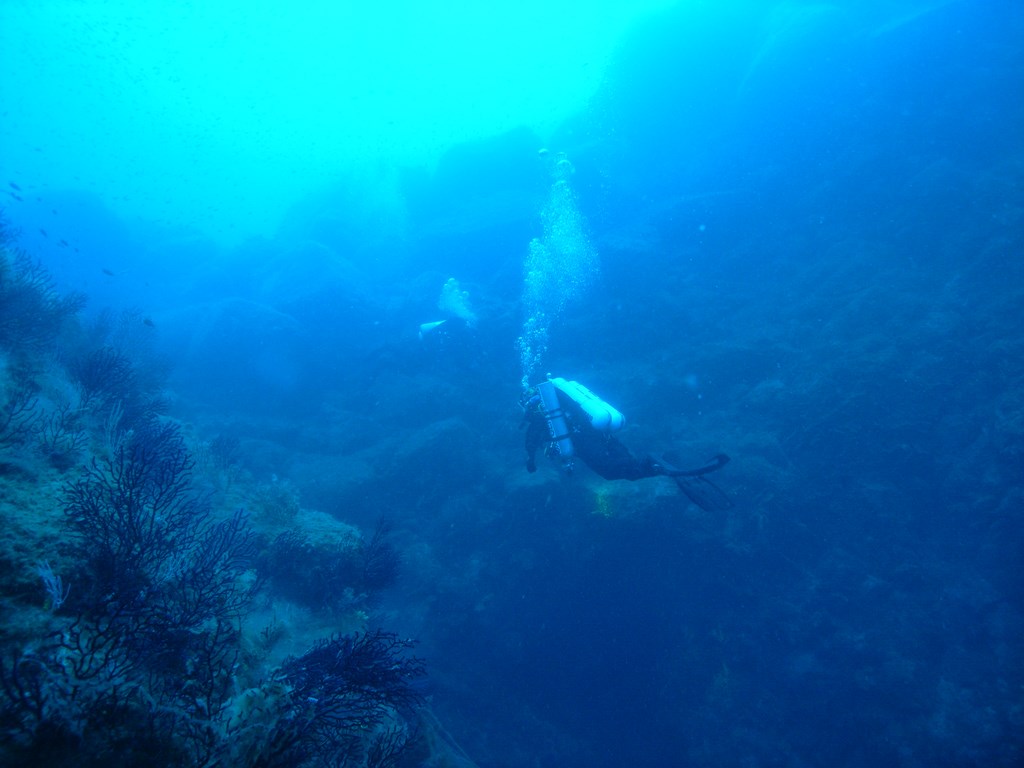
(715, 463)
(698, 488)
(704, 493)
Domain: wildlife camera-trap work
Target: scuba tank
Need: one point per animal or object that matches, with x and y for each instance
(603, 417)
(552, 412)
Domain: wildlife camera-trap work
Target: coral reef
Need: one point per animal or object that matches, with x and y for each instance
(342, 703)
(126, 590)
(330, 566)
(32, 312)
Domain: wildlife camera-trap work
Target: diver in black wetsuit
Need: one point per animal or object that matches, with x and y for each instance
(607, 456)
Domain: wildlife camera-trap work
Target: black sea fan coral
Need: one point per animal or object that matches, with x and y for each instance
(104, 377)
(343, 695)
(145, 666)
(32, 312)
(135, 512)
(148, 542)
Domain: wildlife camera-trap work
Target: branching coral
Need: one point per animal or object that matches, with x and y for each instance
(339, 574)
(145, 667)
(19, 415)
(343, 694)
(117, 374)
(158, 593)
(32, 312)
(104, 376)
(59, 437)
(142, 661)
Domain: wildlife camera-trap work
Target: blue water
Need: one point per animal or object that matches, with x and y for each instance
(791, 233)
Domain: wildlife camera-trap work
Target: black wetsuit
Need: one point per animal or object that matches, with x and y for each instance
(613, 461)
(603, 453)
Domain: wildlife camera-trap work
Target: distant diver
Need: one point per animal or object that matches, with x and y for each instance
(572, 422)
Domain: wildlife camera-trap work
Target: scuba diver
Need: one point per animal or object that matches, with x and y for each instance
(572, 422)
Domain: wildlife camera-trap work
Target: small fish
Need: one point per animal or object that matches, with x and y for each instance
(43, 232)
(63, 243)
(14, 186)
(147, 321)
(108, 272)
(19, 198)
